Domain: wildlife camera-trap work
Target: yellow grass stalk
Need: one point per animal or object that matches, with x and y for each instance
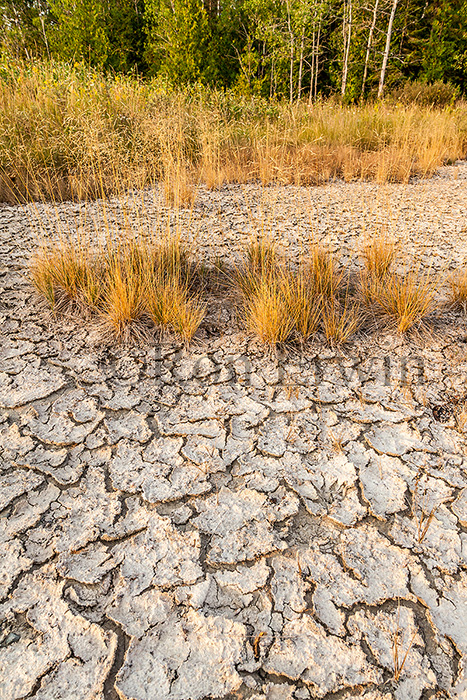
(65, 274)
(122, 303)
(324, 279)
(187, 317)
(304, 306)
(169, 305)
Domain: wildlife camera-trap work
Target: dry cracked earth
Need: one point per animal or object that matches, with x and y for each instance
(224, 522)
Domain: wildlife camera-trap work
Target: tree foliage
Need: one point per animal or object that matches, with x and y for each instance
(293, 49)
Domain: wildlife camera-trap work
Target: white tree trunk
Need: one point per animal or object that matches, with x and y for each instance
(317, 59)
(368, 48)
(312, 67)
(347, 29)
(386, 49)
(300, 67)
(289, 26)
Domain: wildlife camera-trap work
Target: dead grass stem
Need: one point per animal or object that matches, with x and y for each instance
(398, 660)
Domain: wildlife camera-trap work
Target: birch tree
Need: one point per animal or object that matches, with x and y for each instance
(292, 49)
(386, 49)
(368, 46)
(319, 11)
(347, 34)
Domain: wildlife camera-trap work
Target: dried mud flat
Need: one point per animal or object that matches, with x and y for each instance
(227, 523)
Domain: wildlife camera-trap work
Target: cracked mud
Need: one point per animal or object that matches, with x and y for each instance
(223, 522)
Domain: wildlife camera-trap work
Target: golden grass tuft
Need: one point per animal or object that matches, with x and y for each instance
(321, 269)
(267, 313)
(260, 265)
(406, 300)
(126, 285)
(458, 289)
(65, 276)
(304, 306)
(260, 283)
(169, 304)
(403, 301)
(281, 303)
(341, 320)
(379, 256)
(187, 316)
(123, 299)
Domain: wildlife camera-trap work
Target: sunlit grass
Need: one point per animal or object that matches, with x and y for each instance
(124, 286)
(72, 132)
(341, 319)
(304, 305)
(134, 286)
(267, 314)
(281, 303)
(405, 301)
(65, 276)
(379, 256)
(458, 289)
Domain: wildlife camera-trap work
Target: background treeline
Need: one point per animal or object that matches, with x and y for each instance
(274, 48)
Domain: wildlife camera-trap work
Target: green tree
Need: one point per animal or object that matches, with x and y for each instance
(78, 31)
(445, 52)
(23, 28)
(105, 33)
(178, 40)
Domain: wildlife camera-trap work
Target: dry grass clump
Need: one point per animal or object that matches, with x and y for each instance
(134, 285)
(402, 301)
(267, 313)
(341, 319)
(304, 305)
(406, 300)
(66, 277)
(379, 256)
(170, 304)
(123, 286)
(321, 269)
(458, 291)
(122, 304)
(280, 303)
(262, 286)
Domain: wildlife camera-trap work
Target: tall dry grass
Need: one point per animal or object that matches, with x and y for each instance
(458, 288)
(71, 132)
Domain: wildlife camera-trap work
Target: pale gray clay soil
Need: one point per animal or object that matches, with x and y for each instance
(228, 522)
